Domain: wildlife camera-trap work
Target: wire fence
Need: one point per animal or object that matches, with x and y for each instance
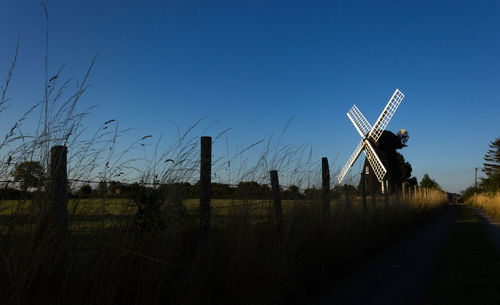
(272, 197)
(116, 183)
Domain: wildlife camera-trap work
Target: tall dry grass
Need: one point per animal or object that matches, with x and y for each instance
(423, 198)
(489, 202)
(246, 261)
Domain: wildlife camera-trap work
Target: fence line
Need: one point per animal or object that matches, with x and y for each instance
(59, 192)
(278, 208)
(205, 183)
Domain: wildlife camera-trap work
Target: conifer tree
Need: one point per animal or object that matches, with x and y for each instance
(491, 167)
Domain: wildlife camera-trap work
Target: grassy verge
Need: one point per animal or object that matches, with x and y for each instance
(468, 270)
(489, 202)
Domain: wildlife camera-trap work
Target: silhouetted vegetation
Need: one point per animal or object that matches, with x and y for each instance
(429, 183)
(28, 174)
(398, 169)
(491, 167)
(486, 194)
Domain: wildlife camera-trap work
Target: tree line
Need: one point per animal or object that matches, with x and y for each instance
(491, 169)
(29, 177)
(184, 190)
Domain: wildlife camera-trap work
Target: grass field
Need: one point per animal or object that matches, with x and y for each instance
(113, 206)
(106, 212)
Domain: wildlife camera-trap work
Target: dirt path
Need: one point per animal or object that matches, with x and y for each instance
(490, 224)
(399, 275)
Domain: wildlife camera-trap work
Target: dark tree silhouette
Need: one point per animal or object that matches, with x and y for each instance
(28, 174)
(410, 182)
(313, 194)
(428, 182)
(85, 190)
(252, 190)
(491, 167)
(102, 188)
(398, 169)
(292, 193)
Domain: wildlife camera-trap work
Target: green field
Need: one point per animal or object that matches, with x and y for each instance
(107, 206)
(117, 207)
(108, 212)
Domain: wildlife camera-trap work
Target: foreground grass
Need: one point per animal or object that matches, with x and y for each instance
(245, 261)
(489, 202)
(468, 270)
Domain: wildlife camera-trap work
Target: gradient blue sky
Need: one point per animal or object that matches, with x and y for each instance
(255, 64)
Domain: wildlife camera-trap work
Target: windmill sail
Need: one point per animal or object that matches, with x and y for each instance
(371, 135)
(359, 121)
(377, 165)
(386, 115)
(351, 161)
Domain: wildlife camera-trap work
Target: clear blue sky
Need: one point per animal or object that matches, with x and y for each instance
(255, 64)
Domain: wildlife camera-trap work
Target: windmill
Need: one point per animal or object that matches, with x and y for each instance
(370, 136)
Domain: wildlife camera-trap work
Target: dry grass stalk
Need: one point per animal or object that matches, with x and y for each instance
(490, 202)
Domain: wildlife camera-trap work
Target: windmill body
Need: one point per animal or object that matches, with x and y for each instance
(370, 136)
(386, 149)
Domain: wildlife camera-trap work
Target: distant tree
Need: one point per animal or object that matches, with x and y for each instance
(8, 193)
(312, 194)
(222, 191)
(252, 190)
(148, 201)
(398, 169)
(469, 192)
(177, 192)
(349, 188)
(28, 174)
(338, 190)
(116, 188)
(85, 190)
(429, 183)
(102, 188)
(292, 193)
(405, 168)
(265, 192)
(491, 167)
(410, 182)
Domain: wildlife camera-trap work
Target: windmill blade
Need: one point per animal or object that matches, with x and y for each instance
(359, 121)
(377, 165)
(386, 115)
(351, 161)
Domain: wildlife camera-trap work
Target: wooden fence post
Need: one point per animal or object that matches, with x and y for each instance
(347, 200)
(59, 195)
(325, 174)
(278, 209)
(51, 236)
(363, 190)
(386, 193)
(205, 186)
(374, 194)
(397, 196)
